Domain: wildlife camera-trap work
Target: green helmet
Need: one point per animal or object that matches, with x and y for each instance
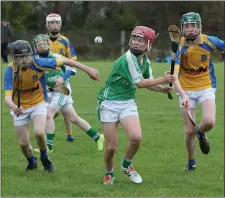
(40, 37)
(191, 17)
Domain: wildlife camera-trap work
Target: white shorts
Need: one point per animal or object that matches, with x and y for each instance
(113, 110)
(28, 114)
(60, 102)
(49, 97)
(199, 96)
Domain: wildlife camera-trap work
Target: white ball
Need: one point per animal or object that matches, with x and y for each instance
(98, 39)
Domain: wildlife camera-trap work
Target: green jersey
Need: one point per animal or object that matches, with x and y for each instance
(52, 75)
(127, 71)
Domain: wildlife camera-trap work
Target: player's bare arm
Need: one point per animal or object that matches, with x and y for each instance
(93, 73)
(161, 88)
(178, 88)
(166, 78)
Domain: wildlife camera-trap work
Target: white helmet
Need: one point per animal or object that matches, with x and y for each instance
(53, 30)
(53, 17)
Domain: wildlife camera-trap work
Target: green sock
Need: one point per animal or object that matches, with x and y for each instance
(109, 173)
(50, 138)
(93, 134)
(126, 163)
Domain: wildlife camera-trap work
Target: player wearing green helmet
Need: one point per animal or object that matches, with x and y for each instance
(191, 26)
(60, 101)
(196, 82)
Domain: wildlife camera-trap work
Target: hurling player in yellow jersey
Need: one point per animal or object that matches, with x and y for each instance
(60, 45)
(26, 96)
(197, 82)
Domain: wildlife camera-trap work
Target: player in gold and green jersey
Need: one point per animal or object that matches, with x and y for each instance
(59, 101)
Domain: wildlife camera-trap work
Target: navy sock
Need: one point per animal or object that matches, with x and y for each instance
(191, 162)
(199, 132)
(31, 160)
(43, 153)
(70, 136)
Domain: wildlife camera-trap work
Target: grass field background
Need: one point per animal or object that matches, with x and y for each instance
(79, 168)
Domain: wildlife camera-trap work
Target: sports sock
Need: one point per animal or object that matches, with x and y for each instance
(199, 132)
(43, 153)
(191, 162)
(69, 133)
(109, 173)
(126, 163)
(93, 134)
(50, 141)
(31, 160)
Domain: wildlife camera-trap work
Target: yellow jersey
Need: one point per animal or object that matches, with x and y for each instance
(63, 46)
(32, 81)
(195, 65)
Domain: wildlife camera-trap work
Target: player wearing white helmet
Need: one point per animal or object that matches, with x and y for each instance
(60, 45)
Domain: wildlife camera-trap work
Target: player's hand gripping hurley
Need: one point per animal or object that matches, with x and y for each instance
(175, 36)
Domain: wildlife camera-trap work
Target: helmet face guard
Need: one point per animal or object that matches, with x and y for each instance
(191, 20)
(53, 24)
(21, 52)
(41, 44)
(143, 35)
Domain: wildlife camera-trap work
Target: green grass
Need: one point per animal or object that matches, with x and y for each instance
(79, 168)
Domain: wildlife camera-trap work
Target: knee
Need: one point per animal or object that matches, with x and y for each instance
(50, 116)
(209, 122)
(136, 138)
(39, 133)
(111, 148)
(24, 143)
(189, 132)
(75, 119)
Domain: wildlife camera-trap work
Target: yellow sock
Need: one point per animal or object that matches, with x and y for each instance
(69, 133)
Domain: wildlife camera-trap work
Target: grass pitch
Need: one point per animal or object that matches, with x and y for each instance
(79, 168)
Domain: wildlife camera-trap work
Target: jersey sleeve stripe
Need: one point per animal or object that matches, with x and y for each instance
(8, 92)
(133, 67)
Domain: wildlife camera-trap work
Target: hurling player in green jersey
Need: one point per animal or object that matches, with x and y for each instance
(60, 101)
(116, 100)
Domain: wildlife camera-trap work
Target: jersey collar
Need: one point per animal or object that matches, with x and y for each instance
(200, 41)
(58, 38)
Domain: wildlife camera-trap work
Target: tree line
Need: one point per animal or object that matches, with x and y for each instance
(113, 15)
(82, 20)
